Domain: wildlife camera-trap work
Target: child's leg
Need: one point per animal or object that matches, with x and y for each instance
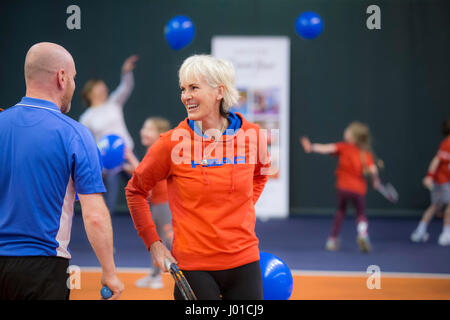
(362, 225)
(153, 280)
(447, 218)
(340, 213)
(361, 220)
(163, 221)
(438, 197)
(446, 200)
(429, 214)
(444, 238)
(420, 233)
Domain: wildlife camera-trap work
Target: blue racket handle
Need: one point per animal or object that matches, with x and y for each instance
(106, 292)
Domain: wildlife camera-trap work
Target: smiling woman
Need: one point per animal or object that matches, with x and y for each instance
(207, 90)
(212, 201)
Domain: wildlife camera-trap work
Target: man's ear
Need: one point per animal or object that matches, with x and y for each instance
(61, 79)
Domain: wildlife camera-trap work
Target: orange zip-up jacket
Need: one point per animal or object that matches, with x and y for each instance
(158, 194)
(213, 213)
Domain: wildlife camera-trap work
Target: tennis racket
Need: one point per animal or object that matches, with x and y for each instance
(388, 191)
(180, 281)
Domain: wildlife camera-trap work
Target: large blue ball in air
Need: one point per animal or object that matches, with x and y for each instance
(309, 25)
(179, 32)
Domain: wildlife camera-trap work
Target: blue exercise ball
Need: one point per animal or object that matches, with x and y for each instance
(277, 278)
(112, 150)
(106, 292)
(179, 32)
(309, 25)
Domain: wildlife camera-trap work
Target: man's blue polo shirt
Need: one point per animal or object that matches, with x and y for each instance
(45, 157)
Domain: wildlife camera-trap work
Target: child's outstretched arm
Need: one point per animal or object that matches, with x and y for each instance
(428, 180)
(373, 171)
(309, 147)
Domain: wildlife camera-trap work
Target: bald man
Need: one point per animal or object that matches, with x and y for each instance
(45, 157)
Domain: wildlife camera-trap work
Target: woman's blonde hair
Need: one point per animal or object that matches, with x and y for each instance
(361, 134)
(363, 140)
(216, 72)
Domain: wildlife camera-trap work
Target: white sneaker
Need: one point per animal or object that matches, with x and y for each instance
(417, 236)
(364, 243)
(152, 282)
(444, 239)
(332, 244)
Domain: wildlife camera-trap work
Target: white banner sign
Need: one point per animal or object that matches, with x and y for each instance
(262, 77)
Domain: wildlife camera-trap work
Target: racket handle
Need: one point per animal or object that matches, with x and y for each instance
(167, 263)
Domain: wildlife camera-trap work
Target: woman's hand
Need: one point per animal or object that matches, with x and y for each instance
(306, 144)
(130, 63)
(159, 254)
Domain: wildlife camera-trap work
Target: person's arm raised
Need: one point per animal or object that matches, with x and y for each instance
(120, 95)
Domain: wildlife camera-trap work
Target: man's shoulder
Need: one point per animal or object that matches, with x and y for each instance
(74, 128)
(6, 110)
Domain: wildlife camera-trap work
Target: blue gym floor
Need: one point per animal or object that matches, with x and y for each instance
(300, 243)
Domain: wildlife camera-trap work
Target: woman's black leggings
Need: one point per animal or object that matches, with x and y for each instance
(241, 283)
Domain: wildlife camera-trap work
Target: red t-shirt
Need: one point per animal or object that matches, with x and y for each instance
(349, 172)
(442, 174)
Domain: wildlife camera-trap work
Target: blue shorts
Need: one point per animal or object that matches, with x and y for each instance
(440, 194)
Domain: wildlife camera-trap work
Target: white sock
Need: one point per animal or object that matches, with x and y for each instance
(446, 229)
(422, 227)
(362, 228)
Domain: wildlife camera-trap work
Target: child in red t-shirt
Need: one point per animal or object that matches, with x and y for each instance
(158, 196)
(354, 162)
(437, 181)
